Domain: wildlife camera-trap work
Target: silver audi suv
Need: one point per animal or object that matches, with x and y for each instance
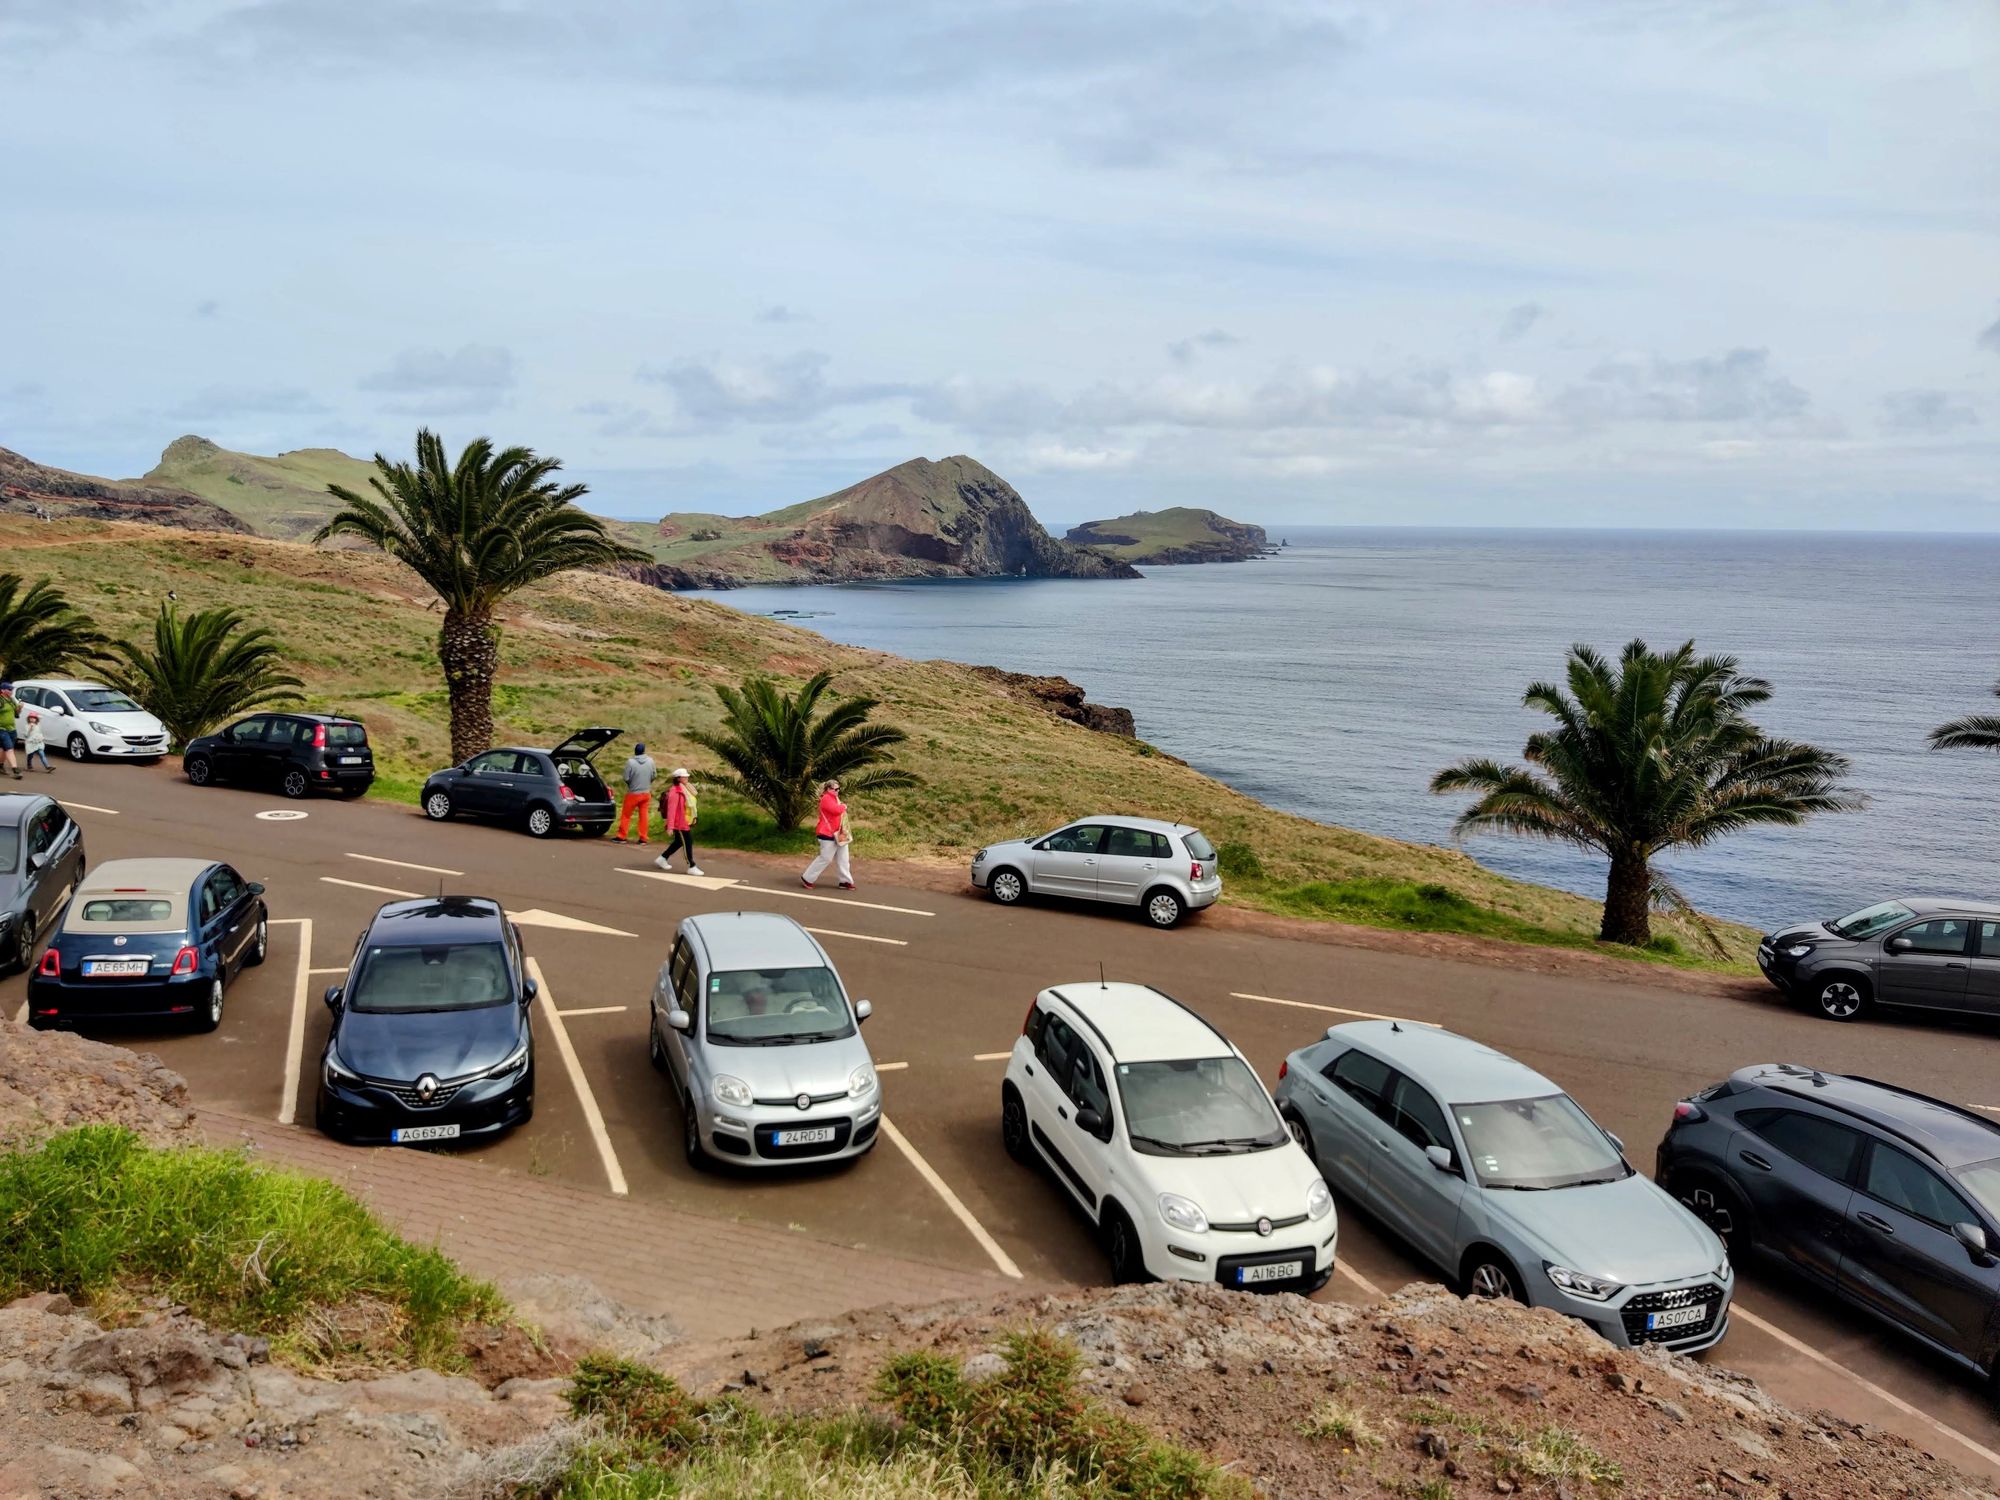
(1164, 869)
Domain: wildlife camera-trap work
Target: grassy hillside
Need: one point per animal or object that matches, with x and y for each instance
(595, 649)
(1183, 532)
(283, 496)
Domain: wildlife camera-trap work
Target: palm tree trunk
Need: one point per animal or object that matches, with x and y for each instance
(1628, 901)
(470, 656)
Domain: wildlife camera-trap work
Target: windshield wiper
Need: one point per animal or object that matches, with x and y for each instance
(777, 1039)
(1517, 1187)
(1152, 1140)
(1226, 1143)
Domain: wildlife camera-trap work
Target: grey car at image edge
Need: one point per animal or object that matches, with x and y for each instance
(1886, 1199)
(41, 859)
(1922, 953)
(1166, 870)
(1496, 1176)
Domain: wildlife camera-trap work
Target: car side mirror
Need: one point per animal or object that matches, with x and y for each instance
(1090, 1122)
(1974, 1239)
(1439, 1158)
(36, 861)
(256, 887)
(529, 989)
(863, 1010)
(1615, 1142)
(680, 1020)
(1899, 945)
(333, 997)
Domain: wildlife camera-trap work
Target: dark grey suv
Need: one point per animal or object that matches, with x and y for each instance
(1885, 1198)
(1927, 954)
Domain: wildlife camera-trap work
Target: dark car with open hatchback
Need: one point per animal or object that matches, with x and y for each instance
(1921, 953)
(542, 791)
(297, 753)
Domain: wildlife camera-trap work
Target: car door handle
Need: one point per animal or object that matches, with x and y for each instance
(1755, 1160)
(1380, 1144)
(1879, 1225)
(1954, 966)
(1061, 1113)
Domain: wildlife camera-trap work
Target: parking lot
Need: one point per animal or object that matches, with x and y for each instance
(950, 977)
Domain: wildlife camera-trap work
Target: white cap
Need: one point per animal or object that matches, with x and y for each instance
(679, 772)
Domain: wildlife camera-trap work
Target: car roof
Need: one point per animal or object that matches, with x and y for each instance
(165, 876)
(300, 713)
(1952, 1135)
(14, 806)
(437, 919)
(1122, 820)
(1925, 906)
(59, 682)
(1456, 1069)
(754, 940)
(1141, 1024)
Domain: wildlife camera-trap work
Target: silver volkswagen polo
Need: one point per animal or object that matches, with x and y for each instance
(1499, 1178)
(754, 1028)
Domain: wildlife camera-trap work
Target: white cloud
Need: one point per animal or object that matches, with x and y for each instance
(1520, 318)
(713, 392)
(470, 369)
(1736, 386)
(1919, 411)
(1063, 458)
(1185, 351)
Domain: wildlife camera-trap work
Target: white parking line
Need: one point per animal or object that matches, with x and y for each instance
(1738, 1310)
(109, 812)
(890, 1067)
(404, 864)
(295, 1036)
(341, 970)
(592, 1116)
(592, 1010)
(959, 1211)
(859, 937)
(1356, 1277)
(1336, 1010)
(767, 890)
(991, 1056)
(380, 890)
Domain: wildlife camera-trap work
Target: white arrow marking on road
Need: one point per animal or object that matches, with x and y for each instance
(404, 864)
(699, 882)
(535, 917)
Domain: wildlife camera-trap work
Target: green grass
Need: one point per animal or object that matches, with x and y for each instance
(1336, 1423)
(1144, 533)
(1555, 1453)
(97, 1214)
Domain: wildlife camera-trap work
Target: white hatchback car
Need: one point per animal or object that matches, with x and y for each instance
(1157, 1126)
(86, 719)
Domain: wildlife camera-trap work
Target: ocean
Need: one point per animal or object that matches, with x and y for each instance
(1336, 678)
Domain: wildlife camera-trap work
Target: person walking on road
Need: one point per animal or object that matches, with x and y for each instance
(833, 840)
(677, 812)
(8, 713)
(639, 773)
(33, 744)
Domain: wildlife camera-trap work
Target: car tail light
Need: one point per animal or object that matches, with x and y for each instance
(1284, 1068)
(1194, 870)
(1029, 1017)
(51, 965)
(319, 736)
(185, 960)
(1687, 1109)
(569, 794)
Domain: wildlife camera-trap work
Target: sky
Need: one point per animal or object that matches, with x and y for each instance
(1526, 264)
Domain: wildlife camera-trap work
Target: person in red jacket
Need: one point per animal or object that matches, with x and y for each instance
(677, 811)
(833, 839)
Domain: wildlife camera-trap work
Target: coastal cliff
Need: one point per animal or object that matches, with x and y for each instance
(1182, 534)
(29, 488)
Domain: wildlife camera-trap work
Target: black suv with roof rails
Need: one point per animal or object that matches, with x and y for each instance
(544, 791)
(1885, 1198)
(298, 753)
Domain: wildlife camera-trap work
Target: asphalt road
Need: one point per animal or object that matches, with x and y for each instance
(950, 977)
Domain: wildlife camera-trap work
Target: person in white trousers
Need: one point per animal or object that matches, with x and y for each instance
(833, 840)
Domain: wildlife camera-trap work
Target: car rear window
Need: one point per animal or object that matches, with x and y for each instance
(346, 734)
(1198, 845)
(128, 909)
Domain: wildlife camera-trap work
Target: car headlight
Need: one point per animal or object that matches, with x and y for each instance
(861, 1081)
(729, 1090)
(333, 1070)
(1722, 1265)
(516, 1060)
(979, 858)
(1183, 1213)
(1797, 950)
(1319, 1199)
(1590, 1288)
(102, 728)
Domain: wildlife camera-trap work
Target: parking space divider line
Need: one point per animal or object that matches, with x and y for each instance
(1338, 1010)
(592, 1116)
(991, 1056)
(1356, 1277)
(959, 1211)
(341, 969)
(295, 1034)
(593, 1010)
(778, 890)
(380, 890)
(895, 1067)
(1765, 1325)
(859, 937)
(403, 864)
(109, 812)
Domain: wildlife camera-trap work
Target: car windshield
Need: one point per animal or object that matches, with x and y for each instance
(431, 977)
(1200, 1106)
(776, 1007)
(10, 850)
(102, 701)
(1537, 1143)
(1872, 919)
(1198, 846)
(1982, 1180)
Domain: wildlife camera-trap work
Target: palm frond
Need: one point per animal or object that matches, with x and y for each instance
(201, 669)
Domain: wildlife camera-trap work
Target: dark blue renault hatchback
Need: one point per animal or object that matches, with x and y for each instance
(150, 937)
(431, 1036)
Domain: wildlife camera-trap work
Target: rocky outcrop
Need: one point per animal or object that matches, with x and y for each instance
(1064, 699)
(1165, 537)
(53, 1080)
(29, 488)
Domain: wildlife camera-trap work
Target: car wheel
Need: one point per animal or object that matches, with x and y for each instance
(1841, 997)
(1014, 1127)
(1719, 1206)
(1121, 1248)
(322, 1117)
(1488, 1275)
(208, 1015)
(1296, 1129)
(295, 783)
(1163, 908)
(78, 747)
(199, 768)
(261, 949)
(655, 1048)
(22, 958)
(437, 807)
(541, 822)
(1006, 886)
(697, 1154)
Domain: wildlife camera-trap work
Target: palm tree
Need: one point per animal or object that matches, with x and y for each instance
(1654, 752)
(40, 631)
(475, 531)
(201, 669)
(780, 752)
(1973, 732)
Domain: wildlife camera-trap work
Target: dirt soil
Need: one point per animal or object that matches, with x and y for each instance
(1425, 1394)
(53, 1080)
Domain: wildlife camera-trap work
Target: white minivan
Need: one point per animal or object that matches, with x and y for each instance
(1162, 1133)
(86, 719)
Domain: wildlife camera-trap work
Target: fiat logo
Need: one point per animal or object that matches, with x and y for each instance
(804, 1101)
(118, 942)
(1264, 1227)
(427, 1087)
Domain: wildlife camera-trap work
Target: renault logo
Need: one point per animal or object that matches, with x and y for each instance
(427, 1087)
(1264, 1227)
(804, 1101)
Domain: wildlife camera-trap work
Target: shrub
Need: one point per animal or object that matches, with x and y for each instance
(1341, 1424)
(641, 1407)
(1239, 860)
